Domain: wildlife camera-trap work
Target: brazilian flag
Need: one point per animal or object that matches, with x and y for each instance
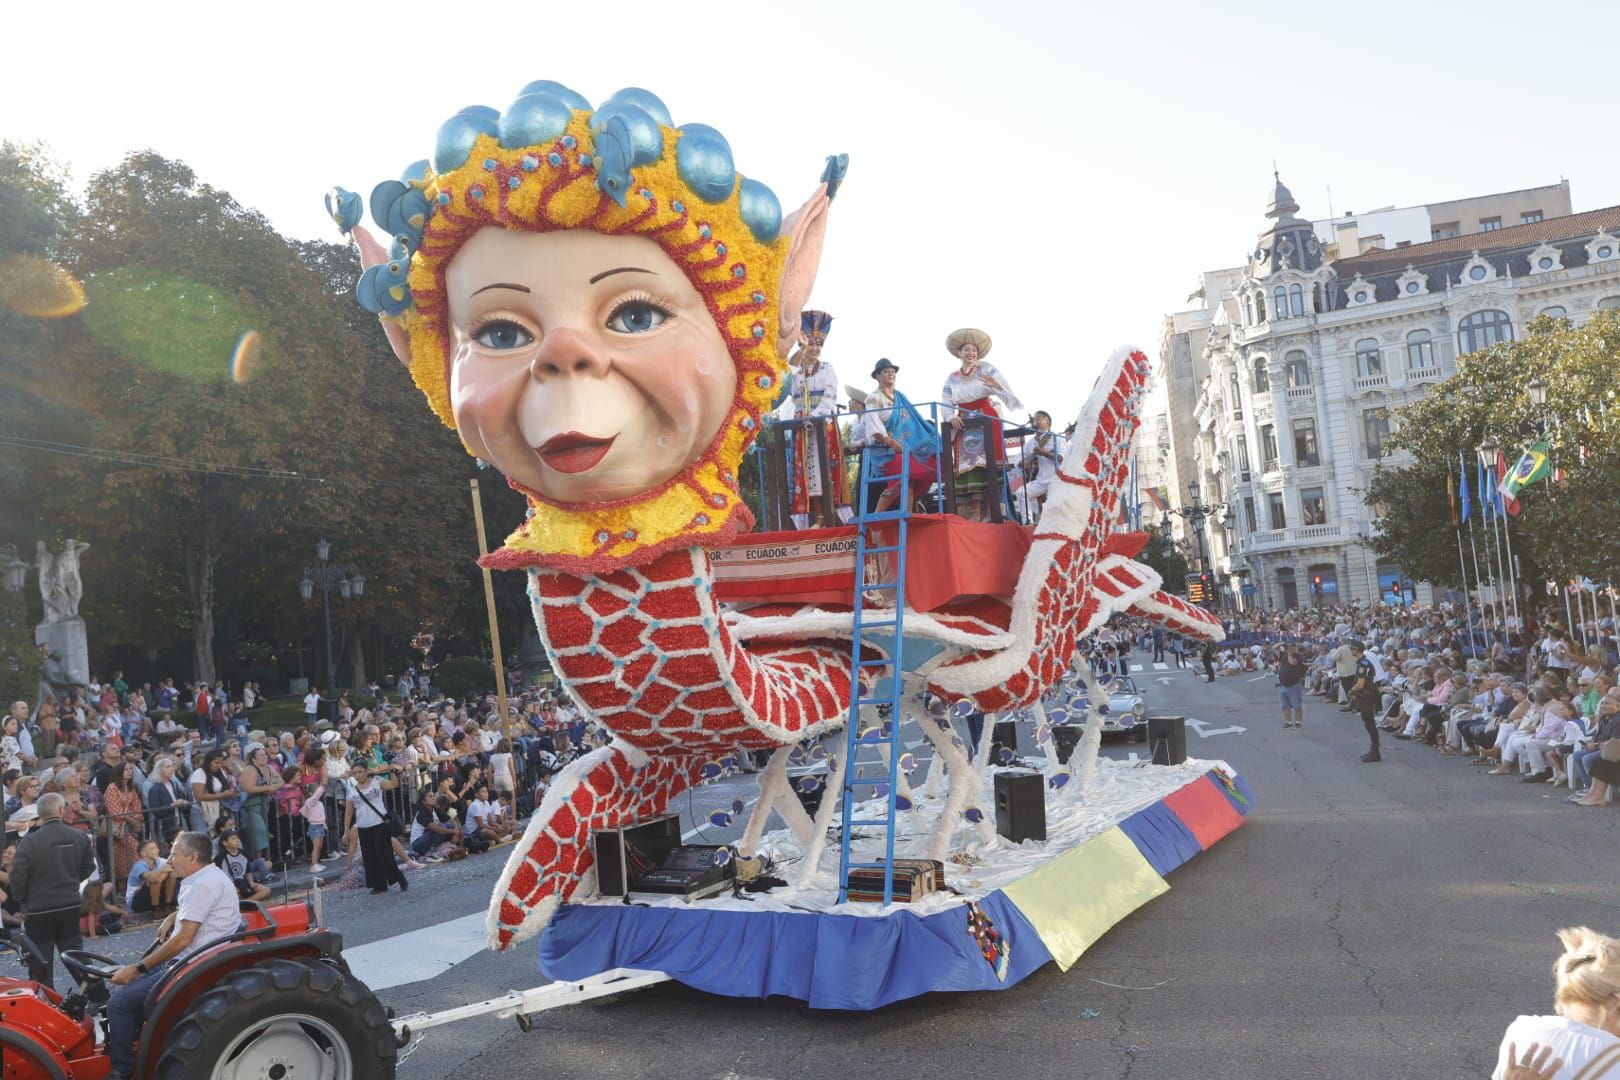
(1535, 464)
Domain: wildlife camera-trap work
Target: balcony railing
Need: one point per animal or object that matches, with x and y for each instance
(1371, 382)
(1301, 393)
(1298, 534)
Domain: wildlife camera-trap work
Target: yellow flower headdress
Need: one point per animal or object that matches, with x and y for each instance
(550, 163)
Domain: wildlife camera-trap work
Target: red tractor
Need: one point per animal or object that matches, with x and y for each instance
(274, 1001)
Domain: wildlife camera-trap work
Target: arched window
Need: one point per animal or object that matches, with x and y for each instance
(1419, 351)
(1483, 328)
(1555, 312)
(1316, 297)
(1609, 303)
(1297, 368)
(1260, 307)
(1279, 302)
(1262, 379)
(1296, 300)
(1368, 360)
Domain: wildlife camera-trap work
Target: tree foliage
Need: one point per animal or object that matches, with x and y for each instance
(1162, 554)
(211, 481)
(1566, 529)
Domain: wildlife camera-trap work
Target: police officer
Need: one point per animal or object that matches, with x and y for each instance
(51, 863)
(1364, 697)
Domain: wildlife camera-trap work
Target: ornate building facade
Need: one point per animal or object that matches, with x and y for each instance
(1281, 387)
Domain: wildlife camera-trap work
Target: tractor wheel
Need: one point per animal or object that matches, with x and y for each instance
(283, 1018)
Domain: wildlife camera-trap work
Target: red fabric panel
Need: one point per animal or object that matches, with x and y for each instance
(947, 559)
(1207, 813)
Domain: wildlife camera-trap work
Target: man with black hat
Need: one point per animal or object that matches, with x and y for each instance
(52, 861)
(1364, 697)
(890, 422)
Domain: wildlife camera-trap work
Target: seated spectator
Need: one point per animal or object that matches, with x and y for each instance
(1585, 1032)
(244, 873)
(432, 826)
(152, 881)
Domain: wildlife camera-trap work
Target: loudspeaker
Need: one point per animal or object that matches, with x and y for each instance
(619, 852)
(1021, 804)
(1065, 737)
(1005, 735)
(1167, 739)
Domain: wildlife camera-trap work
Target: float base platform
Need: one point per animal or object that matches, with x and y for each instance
(1013, 908)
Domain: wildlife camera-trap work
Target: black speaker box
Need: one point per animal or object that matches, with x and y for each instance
(1021, 804)
(617, 850)
(1167, 739)
(1065, 737)
(1003, 735)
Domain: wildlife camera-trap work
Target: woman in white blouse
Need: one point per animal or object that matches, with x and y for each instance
(974, 387)
(1584, 1036)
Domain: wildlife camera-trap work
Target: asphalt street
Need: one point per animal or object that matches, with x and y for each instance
(1367, 921)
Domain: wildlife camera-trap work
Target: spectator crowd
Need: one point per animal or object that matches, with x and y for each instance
(382, 786)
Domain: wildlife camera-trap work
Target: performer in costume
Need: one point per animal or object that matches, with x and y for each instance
(971, 387)
(892, 422)
(813, 389)
(1042, 456)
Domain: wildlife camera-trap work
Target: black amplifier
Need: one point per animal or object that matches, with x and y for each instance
(692, 871)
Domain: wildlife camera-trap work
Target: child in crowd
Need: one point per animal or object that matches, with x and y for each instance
(313, 811)
(152, 881)
(96, 916)
(245, 873)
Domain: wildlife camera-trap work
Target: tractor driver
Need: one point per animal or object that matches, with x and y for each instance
(207, 912)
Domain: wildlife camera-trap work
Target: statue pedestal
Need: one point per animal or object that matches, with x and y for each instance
(66, 638)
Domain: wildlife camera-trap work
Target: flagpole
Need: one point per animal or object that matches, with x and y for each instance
(1462, 562)
(1468, 514)
(1567, 616)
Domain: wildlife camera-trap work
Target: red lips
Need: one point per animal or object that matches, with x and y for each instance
(572, 452)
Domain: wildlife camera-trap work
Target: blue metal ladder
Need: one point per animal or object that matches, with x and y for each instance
(884, 633)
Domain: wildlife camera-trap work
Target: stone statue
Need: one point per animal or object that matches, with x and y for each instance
(50, 586)
(70, 586)
(55, 680)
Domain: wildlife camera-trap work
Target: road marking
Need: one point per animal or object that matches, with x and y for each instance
(418, 954)
(1131, 756)
(1164, 680)
(1160, 665)
(1205, 732)
(1267, 675)
(1136, 667)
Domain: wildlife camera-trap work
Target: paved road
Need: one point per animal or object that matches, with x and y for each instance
(1367, 921)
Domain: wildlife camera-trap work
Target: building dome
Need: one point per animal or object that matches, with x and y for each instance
(1282, 204)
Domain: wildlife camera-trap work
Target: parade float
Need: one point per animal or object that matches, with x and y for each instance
(602, 307)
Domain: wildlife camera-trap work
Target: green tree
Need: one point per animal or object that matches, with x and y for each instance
(1162, 554)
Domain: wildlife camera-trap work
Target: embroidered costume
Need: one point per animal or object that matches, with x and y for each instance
(972, 391)
(813, 391)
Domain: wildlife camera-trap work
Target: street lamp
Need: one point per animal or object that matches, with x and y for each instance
(1195, 513)
(1538, 393)
(349, 581)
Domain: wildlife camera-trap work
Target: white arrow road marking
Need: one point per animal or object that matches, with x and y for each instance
(1164, 680)
(1204, 731)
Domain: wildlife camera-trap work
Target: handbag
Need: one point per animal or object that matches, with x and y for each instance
(1610, 750)
(395, 829)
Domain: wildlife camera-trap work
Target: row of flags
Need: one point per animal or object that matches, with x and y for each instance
(1498, 488)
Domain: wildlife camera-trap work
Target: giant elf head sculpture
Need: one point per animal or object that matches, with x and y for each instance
(600, 305)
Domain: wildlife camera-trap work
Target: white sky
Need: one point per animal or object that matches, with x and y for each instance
(1055, 173)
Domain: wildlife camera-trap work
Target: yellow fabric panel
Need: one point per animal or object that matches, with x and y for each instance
(1073, 900)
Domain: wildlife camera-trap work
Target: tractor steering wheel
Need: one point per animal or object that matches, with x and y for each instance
(88, 967)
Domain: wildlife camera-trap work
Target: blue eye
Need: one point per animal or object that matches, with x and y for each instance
(503, 335)
(636, 317)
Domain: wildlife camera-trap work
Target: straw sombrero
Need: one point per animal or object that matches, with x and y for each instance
(968, 336)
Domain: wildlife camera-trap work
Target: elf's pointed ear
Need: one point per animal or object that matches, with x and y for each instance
(371, 254)
(806, 229)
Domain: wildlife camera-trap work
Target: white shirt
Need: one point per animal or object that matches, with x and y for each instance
(1573, 1043)
(312, 702)
(819, 389)
(477, 809)
(208, 898)
(365, 816)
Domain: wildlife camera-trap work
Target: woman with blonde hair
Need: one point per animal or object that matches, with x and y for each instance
(1584, 1035)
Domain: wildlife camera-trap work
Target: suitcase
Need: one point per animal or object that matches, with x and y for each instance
(913, 880)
